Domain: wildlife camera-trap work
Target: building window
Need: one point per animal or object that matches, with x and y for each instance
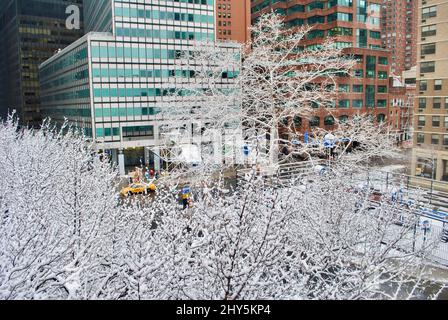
(422, 103)
(421, 121)
(436, 121)
(370, 66)
(314, 122)
(358, 88)
(382, 89)
(446, 122)
(382, 74)
(445, 139)
(438, 84)
(370, 96)
(381, 117)
(427, 66)
(435, 139)
(429, 48)
(382, 61)
(343, 119)
(357, 103)
(359, 73)
(344, 103)
(428, 31)
(420, 137)
(382, 103)
(423, 85)
(436, 103)
(429, 12)
(329, 121)
(344, 88)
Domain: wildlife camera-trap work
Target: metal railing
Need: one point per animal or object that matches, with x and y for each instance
(384, 182)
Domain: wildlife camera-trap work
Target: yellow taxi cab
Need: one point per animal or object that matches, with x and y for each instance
(136, 188)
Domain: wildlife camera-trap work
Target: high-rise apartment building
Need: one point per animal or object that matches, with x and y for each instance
(355, 25)
(116, 80)
(233, 20)
(430, 152)
(398, 33)
(30, 32)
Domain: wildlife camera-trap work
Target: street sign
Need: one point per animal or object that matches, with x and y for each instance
(246, 150)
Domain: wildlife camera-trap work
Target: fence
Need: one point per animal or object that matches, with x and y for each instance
(431, 225)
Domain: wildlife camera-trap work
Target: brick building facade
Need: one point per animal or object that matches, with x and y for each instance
(355, 26)
(233, 20)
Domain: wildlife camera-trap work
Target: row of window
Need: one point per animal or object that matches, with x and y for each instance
(436, 102)
(106, 72)
(423, 85)
(107, 93)
(203, 2)
(435, 121)
(68, 95)
(359, 73)
(66, 79)
(164, 34)
(303, 8)
(70, 111)
(342, 31)
(359, 88)
(142, 53)
(128, 132)
(359, 103)
(68, 60)
(327, 121)
(163, 15)
(435, 138)
(126, 112)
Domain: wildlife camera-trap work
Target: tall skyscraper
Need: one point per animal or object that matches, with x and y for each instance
(355, 24)
(398, 33)
(30, 32)
(233, 20)
(115, 81)
(430, 152)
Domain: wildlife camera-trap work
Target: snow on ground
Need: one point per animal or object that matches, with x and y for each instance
(394, 168)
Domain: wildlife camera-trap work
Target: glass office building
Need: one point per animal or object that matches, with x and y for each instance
(115, 81)
(30, 33)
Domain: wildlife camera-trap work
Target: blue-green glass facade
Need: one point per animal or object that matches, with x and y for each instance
(115, 84)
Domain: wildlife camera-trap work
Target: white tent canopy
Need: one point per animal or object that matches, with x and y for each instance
(189, 153)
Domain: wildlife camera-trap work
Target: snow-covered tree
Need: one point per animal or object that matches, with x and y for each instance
(312, 241)
(63, 234)
(57, 204)
(266, 92)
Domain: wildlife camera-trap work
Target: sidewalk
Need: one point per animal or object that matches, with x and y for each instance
(438, 274)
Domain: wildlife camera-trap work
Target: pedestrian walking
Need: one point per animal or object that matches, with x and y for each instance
(185, 200)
